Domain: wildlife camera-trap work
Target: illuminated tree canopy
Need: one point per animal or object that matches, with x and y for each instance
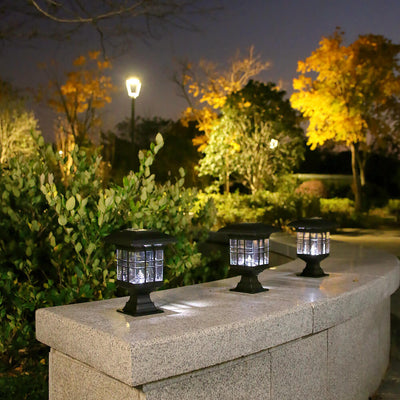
(206, 86)
(86, 90)
(256, 140)
(349, 94)
(16, 124)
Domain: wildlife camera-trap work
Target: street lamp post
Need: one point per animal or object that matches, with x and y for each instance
(133, 86)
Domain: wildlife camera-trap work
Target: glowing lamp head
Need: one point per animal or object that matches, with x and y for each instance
(273, 144)
(248, 253)
(133, 86)
(140, 266)
(313, 244)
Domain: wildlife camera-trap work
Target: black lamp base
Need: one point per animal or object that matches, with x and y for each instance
(313, 268)
(249, 284)
(139, 304)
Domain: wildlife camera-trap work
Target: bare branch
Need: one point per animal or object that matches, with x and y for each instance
(81, 19)
(114, 21)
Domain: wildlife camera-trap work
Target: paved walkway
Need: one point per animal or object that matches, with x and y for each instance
(388, 240)
(385, 239)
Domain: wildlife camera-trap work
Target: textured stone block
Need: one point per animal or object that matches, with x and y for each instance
(242, 379)
(299, 369)
(348, 297)
(358, 354)
(71, 380)
(197, 321)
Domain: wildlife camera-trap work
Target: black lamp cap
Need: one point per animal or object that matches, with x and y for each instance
(248, 230)
(135, 238)
(312, 225)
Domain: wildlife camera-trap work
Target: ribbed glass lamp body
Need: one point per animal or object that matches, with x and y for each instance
(249, 252)
(141, 265)
(313, 243)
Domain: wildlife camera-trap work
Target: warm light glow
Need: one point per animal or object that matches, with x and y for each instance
(273, 144)
(133, 86)
(60, 152)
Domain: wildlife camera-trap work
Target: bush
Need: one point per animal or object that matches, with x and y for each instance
(54, 215)
(313, 187)
(394, 208)
(276, 208)
(339, 210)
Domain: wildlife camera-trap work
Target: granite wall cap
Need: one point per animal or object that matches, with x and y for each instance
(199, 319)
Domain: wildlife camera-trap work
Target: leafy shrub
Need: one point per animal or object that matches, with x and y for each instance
(338, 188)
(394, 208)
(313, 187)
(337, 205)
(28, 381)
(277, 208)
(339, 210)
(54, 215)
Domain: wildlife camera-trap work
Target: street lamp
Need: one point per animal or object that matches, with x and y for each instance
(249, 253)
(313, 244)
(133, 86)
(140, 266)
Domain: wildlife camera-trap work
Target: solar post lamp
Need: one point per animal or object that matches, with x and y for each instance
(140, 266)
(313, 244)
(248, 253)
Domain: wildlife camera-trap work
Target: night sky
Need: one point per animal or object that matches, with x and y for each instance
(282, 31)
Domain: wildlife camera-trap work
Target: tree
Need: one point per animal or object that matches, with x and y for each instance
(178, 151)
(116, 145)
(113, 21)
(257, 138)
(16, 124)
(351, 97)
(206, 86)
(86, 90)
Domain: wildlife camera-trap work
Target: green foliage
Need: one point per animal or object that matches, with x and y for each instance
(340, 210)
(276, 208)
(256, 140)
(350, 95)
(313, 187)
(394, 208)
(24, 387)
(117, 148)
(16, 123)
(337, 205)
(29, 381)
(54, 215)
